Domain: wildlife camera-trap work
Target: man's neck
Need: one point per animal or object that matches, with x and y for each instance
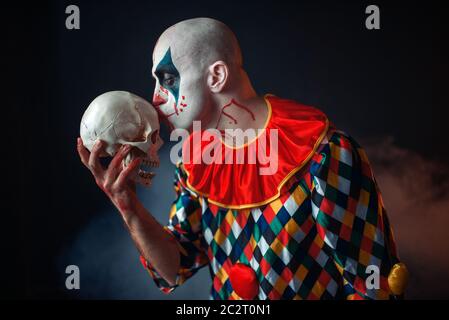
(242, 113)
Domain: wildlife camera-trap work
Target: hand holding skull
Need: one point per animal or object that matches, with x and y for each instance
(124, 126)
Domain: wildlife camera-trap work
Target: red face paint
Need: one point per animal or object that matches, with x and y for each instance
(233, 120)
(158, 100)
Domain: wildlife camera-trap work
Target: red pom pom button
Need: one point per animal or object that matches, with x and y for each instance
(244, 281)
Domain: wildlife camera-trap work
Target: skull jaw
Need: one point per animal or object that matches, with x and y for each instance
(144, 181)
(143, 175)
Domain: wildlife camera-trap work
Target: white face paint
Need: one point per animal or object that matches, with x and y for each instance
(181, 93)
(181, 60)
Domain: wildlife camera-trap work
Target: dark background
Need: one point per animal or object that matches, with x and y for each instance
(373, 83)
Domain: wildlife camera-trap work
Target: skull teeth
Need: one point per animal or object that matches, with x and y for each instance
(151, 163)
(144, 172)
(146, 175)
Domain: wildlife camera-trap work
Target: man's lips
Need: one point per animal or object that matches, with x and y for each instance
(162, 114)
(157, 102)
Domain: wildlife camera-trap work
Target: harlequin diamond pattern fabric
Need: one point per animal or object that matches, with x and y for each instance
(313, 242)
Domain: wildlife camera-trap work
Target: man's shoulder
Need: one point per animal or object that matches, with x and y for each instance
(294, 109)
(340, 150)
(341, 138)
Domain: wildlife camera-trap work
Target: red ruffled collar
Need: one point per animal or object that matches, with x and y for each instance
(300, 130)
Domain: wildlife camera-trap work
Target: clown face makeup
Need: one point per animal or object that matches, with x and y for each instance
(181, 92)
(181, 60)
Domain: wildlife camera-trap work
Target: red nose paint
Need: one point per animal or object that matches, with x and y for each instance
(244, 281)
(158, 100)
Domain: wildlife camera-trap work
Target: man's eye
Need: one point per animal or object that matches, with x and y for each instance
(169, 80)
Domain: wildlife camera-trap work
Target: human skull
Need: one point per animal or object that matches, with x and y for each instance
(122, 118)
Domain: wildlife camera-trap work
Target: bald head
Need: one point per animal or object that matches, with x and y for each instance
(197, 64)
(201, 41)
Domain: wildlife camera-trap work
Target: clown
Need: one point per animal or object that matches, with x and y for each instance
(316, 228)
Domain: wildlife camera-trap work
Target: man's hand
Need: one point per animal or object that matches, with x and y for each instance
(150, 238)
(113, 180)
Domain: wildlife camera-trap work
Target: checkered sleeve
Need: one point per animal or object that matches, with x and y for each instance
(185, 227)
(351, 219)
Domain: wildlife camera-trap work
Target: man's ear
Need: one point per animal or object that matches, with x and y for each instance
(217, 76)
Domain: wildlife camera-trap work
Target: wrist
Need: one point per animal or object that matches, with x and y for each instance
(126, 205)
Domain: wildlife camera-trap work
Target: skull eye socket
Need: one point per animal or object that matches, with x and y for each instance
(140, 138)
(153, 136)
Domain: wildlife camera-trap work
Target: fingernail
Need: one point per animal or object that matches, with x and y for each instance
(78, 141)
